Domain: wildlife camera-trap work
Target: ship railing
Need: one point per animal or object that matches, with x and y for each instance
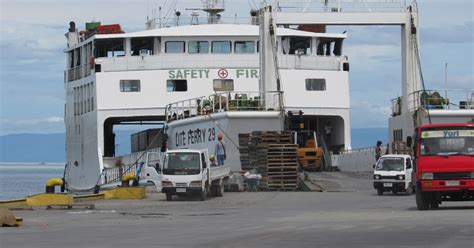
(225, 102)
(448, 99)
(130, 164)
(204, 20)
(302, 6)
(370, 149)
(79, 72)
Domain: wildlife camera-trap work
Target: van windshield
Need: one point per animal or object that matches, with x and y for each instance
(182, 163)
(447, 142)
(390, 164)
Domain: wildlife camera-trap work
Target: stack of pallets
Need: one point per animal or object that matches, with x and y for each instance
(272, 155)
(244, 142)
(282, 167)
(271, 137)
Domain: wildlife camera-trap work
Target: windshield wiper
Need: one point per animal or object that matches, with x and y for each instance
(463, 154)
(447, 154)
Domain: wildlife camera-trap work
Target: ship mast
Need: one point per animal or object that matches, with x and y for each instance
(213, 8)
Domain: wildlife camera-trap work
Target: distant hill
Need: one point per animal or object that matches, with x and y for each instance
(51, 148)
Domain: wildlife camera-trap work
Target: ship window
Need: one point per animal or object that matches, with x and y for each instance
(81, 91)
(142, 46)
(75, 101)
(223, 84)
(174, 47)
(176, 85)
(109, 48)
(92, 96)
(221, 47)
(71, 59)
(198, 47)
(129, 85)
(398, 135)
(296, 45)
(328, 47)
(244, 47)
(78, 57)
(315, 84)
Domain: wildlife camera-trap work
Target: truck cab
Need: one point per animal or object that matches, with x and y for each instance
(444, 164)
(393, 172)
(190, 172)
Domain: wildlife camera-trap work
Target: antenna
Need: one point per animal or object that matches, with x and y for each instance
(446, 80)
(195, 18)
(177, 14)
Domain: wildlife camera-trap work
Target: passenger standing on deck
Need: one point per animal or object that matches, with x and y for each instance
(378, 151)
(220, 150)
(327, 133)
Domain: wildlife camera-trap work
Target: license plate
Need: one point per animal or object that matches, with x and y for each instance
(388, 184)
(452, 183)
(181, 190)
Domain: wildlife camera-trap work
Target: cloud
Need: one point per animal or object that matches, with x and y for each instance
(32, 60)
(365, 114)
(372, 57)
(51, 124)
(54, 119)
(457, 81)
(460, 33)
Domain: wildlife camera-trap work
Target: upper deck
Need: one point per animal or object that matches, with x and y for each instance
(200, 46)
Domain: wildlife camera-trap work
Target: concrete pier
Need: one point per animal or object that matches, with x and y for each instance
(350, 215)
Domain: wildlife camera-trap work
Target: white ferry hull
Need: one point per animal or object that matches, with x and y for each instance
(201, 132)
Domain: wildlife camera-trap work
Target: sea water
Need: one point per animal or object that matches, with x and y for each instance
(18, 180)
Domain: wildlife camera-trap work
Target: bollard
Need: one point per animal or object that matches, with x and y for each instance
(51, 183)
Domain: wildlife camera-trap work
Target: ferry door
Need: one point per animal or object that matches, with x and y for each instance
(152, 169)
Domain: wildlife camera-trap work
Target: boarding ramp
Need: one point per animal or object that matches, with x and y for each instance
(131, 163)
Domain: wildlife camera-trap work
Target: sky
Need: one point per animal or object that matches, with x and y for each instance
(32, 60)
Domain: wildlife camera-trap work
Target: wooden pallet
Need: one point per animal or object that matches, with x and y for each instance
(273, 156)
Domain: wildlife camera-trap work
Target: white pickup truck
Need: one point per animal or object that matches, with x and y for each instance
(189, 172)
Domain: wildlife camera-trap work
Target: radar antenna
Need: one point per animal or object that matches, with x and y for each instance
(213, 8)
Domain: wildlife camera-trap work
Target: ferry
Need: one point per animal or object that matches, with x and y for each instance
(114, 78)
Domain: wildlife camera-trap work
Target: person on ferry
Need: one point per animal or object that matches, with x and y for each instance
(219, 150)
(327, 133)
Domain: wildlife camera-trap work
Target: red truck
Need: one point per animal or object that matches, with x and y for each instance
(444, 164)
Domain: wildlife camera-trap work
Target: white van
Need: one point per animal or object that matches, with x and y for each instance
(393, 172)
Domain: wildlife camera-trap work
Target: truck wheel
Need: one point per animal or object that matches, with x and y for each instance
(220, 190)
(422, 200)
(434, 203)
(203, 195)
(169, 197)
(379, 191)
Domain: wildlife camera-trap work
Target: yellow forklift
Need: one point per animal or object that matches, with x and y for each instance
(310, 155)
